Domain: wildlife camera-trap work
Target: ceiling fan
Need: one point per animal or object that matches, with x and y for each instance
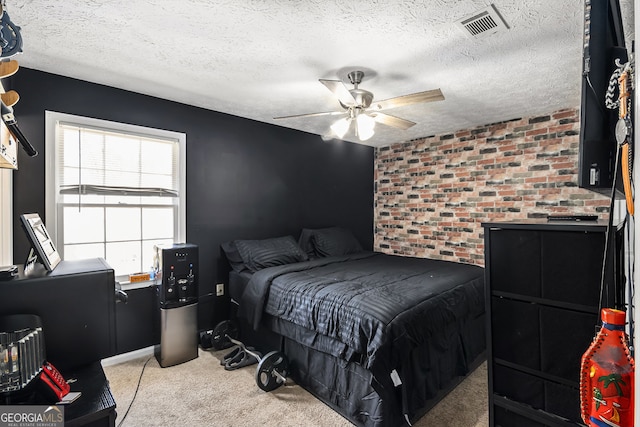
(361, 109)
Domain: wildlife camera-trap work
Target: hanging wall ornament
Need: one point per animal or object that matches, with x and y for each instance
(606, 375)
(10, 38)
(623, 78)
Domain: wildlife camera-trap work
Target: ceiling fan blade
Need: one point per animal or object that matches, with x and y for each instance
(414, 98)
(393, 121)
(327, 113)
(340, 90)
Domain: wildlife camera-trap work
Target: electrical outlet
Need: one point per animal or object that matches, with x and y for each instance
(220, 289)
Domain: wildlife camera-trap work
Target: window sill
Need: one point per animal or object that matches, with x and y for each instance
(128, 286)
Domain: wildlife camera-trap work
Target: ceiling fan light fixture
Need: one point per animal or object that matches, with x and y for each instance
(365, 134)
(357, 105)
(340, 127)
(364, 126)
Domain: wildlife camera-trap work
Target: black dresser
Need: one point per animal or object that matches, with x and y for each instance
(543, 292)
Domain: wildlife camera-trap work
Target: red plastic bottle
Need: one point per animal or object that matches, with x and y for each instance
(607, 375)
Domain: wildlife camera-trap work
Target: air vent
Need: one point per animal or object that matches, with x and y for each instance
(482, 23)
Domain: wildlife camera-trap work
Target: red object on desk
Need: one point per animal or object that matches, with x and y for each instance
(54, 380)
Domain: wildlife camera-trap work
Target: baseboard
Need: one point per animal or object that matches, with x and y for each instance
(125, 357)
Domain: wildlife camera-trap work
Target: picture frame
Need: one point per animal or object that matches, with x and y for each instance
(40, 241)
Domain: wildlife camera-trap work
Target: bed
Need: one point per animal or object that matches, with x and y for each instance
(377, 337)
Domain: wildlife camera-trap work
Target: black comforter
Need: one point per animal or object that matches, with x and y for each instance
(375, 306)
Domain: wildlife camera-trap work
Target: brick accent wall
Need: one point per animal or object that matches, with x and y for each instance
(432, 194)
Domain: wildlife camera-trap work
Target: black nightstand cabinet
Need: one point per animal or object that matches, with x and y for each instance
(543, 292)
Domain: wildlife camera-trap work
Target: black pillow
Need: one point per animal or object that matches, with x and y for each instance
(233, 256)
(259, 254)
(306, 242)
(335, 241)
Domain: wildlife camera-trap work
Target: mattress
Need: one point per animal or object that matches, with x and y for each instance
(370, 307)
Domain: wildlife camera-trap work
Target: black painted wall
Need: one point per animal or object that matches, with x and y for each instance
(245, 179)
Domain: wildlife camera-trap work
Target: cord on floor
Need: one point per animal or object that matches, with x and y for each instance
(135, 393)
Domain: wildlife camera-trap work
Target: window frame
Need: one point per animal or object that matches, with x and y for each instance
(53, 209)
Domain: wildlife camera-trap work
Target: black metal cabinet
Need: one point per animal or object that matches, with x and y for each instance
(76, 302)
(543, 293)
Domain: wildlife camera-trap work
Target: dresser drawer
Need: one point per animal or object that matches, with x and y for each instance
(506, 418)
(561, 266)
(547, 339)
(537, 392)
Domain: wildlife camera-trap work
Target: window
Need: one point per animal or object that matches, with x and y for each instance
(113, 190)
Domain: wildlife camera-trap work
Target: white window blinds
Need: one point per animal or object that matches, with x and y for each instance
(101, 162)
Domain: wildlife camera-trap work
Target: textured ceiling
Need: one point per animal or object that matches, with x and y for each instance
(263, 59)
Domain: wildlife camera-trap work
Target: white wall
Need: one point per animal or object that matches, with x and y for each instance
(6, 207)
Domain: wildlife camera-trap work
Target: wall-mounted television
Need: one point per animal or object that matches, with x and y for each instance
(42, 247)
(603, 43)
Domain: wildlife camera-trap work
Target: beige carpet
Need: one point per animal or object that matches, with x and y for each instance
(202, 393)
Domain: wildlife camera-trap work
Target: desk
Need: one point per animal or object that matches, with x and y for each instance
(96, 406)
